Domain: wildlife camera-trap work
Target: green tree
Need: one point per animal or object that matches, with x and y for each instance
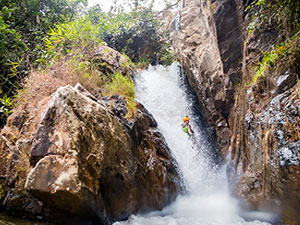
(23, 26)
(137, 33)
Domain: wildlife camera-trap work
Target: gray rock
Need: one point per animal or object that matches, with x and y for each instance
(285, 82)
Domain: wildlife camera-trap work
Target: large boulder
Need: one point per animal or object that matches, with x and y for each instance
(82, 161)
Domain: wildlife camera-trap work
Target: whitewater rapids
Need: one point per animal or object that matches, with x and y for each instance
(207, 201)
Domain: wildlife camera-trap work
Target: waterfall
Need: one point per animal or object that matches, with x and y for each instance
(207, 201)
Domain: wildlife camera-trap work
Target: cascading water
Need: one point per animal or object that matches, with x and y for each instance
(207, 201)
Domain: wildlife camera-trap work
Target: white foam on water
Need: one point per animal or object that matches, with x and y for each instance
(208, 201)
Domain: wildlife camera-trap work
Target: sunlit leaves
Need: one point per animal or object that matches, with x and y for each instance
(14, 67)
(6, 105)
(76, 36)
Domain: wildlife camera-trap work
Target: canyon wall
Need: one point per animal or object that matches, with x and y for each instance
(256, 123)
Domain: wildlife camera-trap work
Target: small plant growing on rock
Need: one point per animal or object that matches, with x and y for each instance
(280, 59)
(1, 191)
(6, 105)
(129, 63)
(122, 85)
(265, 64)
(282, 16)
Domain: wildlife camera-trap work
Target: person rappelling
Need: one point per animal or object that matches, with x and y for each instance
(186, 127)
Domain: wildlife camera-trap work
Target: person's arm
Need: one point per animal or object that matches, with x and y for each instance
(190, 130)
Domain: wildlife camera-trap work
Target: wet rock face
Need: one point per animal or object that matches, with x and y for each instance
(208, 42)
(230, 43)
(257, 124)
(268, 165)
(87, 162)
(265, 140)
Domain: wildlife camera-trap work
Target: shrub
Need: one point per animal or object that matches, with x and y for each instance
(77, 38)
(130, 63)
(124, 86)
(285, 56)
(289, 57)
(6, 105)
(68, 50)
(264, 66)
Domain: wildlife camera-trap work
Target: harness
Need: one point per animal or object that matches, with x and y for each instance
(184, 128)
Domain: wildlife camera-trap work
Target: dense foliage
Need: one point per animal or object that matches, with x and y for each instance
(78, 37)
(136, 33)
(282, 17)
(23, 26)
(38, 33)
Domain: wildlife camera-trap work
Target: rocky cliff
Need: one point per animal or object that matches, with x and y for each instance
(210, 55)
(76, 157)
(256, 118)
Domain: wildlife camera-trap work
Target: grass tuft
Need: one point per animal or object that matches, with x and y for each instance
(124, 86)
